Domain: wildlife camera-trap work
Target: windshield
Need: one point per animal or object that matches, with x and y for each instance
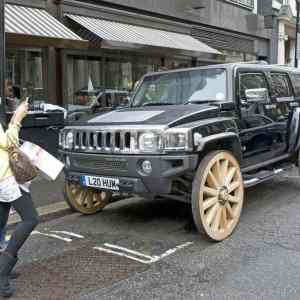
(181, 87)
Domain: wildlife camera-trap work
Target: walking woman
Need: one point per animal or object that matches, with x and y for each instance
(11, 194)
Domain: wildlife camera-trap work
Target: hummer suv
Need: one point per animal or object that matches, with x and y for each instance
(198, 135)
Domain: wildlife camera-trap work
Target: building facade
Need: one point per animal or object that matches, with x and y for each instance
(284, 12)
(111, 44)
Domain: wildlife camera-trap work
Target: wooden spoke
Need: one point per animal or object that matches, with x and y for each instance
(230, 176)
(217, 220)
(89, 199)
(233, 186)
(209, 191)
(224, 218)
(209, 203)
(85, 200)
(229, 210)
(224, 168)
(233, 199)
(211, 214)
(218, 195)
(212, 180)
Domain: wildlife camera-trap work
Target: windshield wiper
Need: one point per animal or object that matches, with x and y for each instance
(158, 103)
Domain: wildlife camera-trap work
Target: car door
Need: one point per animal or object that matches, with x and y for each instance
(262, 135)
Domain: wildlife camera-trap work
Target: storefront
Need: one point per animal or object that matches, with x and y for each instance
(123, 47)
(33, 37)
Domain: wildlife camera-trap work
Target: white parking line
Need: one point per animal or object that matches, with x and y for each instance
(68, 233)
(35, 232)
(148, 260)
(128, 250)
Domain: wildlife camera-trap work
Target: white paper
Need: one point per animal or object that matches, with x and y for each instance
(44, 161)
(9, 190)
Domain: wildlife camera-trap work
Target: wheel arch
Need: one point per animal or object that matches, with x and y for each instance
(225, 141)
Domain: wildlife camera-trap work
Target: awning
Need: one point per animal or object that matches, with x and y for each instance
(44, 30)
(115, 34)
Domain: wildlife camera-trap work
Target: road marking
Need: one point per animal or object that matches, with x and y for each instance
(68, 233)
(35, 232)
(123, 255)
(148, 260)
(128, 250)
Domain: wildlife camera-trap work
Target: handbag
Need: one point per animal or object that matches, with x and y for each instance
(20, 164)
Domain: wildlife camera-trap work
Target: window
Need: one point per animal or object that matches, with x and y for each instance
(280, 86)
(25, 74)
(296, 83)
(84, 77)
(251, 81)
(203, 85)
(245, 3)
(118, 74)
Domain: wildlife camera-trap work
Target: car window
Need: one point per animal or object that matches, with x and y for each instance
(280, 86)
(251, 81)
(296, 83)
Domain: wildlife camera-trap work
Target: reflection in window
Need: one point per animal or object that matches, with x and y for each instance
(118, 75)
(24, 70)
(297, 84)
(84, 81)
(280, 85)
(250, 81)
(180, 87)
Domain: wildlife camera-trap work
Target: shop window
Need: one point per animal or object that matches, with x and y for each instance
(84, 77)
(25, 74)
(118, 75)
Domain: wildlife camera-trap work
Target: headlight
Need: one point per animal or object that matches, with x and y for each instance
(149, 142)
(177, 139)
(68, 140)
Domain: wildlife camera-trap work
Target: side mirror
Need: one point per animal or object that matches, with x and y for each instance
(257, 95)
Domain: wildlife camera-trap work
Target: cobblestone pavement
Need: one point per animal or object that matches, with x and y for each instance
(138, 249)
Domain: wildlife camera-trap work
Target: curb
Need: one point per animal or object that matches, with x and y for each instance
(46, 213)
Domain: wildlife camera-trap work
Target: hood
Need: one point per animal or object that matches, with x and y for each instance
(159, 115)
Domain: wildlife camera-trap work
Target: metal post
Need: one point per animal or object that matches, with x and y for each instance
(2, 58)
(297, 54)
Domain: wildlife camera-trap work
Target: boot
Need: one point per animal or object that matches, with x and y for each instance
(7, 262)
(13, 274)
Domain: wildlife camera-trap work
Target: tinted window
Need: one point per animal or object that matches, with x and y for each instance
(280, 85)
(251, 81)
(296, 82)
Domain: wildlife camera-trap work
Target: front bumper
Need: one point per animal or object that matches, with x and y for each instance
(127, 169)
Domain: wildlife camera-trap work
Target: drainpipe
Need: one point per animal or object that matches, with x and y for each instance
(297, 44)
(2, 60)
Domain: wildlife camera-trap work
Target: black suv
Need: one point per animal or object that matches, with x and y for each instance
(197, 135)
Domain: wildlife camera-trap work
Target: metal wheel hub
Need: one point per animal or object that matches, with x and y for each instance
(223, 195)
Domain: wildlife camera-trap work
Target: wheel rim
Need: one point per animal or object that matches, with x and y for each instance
(86, 200)
(221, 196)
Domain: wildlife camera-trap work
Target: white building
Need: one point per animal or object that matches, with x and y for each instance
(286, 12)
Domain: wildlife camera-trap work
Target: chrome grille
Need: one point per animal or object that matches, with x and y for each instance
(117, 141)
(101, 164)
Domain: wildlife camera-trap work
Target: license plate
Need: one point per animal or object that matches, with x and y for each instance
(101, 182)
